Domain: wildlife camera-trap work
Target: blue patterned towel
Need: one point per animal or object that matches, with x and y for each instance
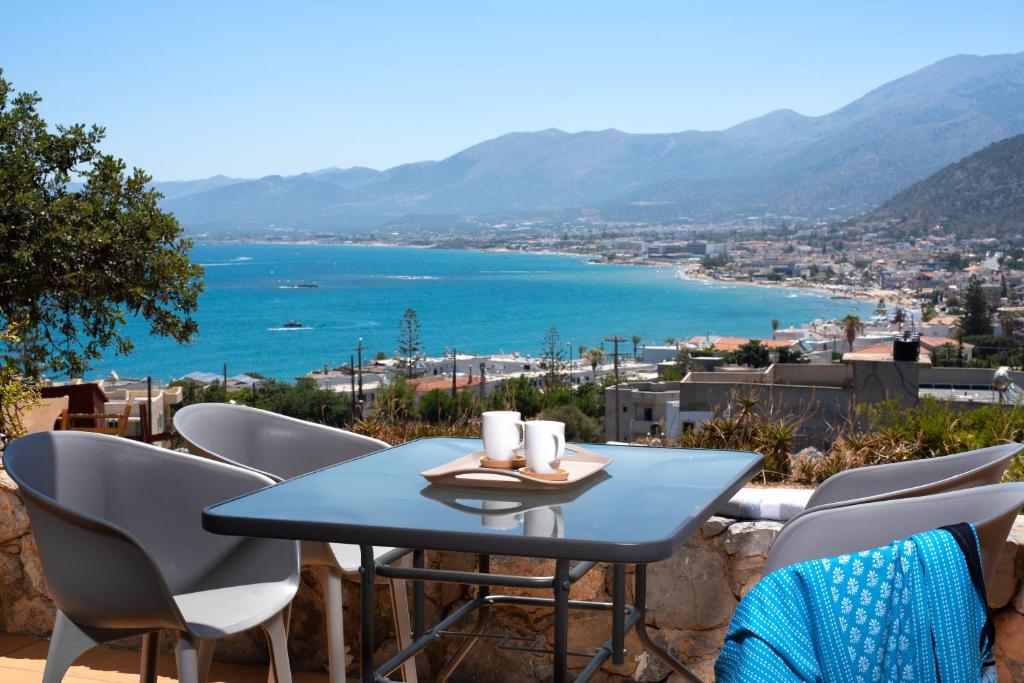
(914, 610)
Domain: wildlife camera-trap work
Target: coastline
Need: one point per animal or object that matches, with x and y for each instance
(685, 271)
(363, 292)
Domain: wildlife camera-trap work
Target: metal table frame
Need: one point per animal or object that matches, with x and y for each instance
(275, 513)
(624, 617)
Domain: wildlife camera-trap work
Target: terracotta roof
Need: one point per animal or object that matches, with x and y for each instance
(425, 384)
(935, 342)
(879, 349)
(734, 343)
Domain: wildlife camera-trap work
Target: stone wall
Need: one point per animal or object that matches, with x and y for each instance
(691, 599)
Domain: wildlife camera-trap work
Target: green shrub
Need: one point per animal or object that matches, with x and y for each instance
(579, 426)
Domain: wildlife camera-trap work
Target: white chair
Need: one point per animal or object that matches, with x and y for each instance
(118, 524)
(281, 448)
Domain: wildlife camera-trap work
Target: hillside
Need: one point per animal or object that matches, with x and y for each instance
(839, 164)
(980, 195)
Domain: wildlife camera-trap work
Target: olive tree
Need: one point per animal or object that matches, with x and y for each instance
(84, 246)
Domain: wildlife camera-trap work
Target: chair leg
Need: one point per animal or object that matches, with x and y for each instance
(205, 658)
(149, 654)
(330, 580)
(68, 643)
(186, 655)
(277, 640)
(287, 616)
(403, 627)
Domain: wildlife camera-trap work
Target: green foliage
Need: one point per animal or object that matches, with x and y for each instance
(304, 400)
(977, 314)
(396, 401)
(890, 432)
(788, 355)
(551, 356)
(937, 428)
(852, 326)
(409, 345)
(589, 398)
(977, 196)
(516, 394)
(948, 355)
(679, 368)
(438, 406)
(747, 426)
(191, 392)
(76, 265)
(15, 394)
(753, 354)
(636, 339)
(579, 426)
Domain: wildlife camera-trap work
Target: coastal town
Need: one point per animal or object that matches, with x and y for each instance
(919, 282)
(848, 258)
(621, 342)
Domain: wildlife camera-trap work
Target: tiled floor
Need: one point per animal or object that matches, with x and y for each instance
(22, 660)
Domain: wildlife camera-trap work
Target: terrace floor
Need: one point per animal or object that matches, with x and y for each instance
(22, 660)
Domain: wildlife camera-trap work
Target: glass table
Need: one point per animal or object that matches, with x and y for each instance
(640, 509)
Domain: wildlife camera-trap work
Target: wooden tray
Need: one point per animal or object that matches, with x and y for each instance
(578, 462)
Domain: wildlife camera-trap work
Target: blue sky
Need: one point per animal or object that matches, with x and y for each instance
(190, 89)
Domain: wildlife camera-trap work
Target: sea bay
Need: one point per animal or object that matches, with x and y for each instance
(474, 301)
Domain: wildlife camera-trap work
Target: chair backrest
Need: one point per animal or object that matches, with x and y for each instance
(981, 467)
(119, 523)
(280, 447)
(43, 416)
(852, 528)
(114, 424)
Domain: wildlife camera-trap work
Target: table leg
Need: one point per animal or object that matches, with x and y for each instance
(640, 602)
(366, 577)
(484, 567)
(562, 586)
(417, 596)
(618, 614)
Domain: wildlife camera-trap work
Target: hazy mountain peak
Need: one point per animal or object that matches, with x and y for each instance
(840, 163)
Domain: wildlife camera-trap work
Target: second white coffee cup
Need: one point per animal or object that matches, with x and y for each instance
(544, 445)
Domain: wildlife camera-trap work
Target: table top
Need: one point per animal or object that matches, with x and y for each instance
(641, 508)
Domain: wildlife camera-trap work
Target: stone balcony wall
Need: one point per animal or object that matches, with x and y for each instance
(691, 599)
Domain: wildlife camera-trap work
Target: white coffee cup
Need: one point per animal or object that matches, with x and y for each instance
(493, 519)
(501, 434)
(545, 522)
(545, 445)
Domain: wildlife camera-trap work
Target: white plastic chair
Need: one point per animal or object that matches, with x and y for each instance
(281, 448)
(118, 524)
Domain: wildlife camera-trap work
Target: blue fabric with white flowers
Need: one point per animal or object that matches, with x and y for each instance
(904, 612)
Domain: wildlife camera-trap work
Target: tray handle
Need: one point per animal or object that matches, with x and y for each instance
(455, 474)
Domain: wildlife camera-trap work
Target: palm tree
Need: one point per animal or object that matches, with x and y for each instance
(852, 326)
(595, 357)
(670, 341)
(636, 342)
(775, 326)
(582, 351)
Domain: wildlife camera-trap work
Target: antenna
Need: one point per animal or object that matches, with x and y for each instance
(616, 340)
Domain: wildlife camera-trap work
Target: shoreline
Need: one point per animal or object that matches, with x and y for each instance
(687, 271)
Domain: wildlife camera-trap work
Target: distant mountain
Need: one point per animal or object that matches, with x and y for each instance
(172, 189)
(981, 195)
(838, 164)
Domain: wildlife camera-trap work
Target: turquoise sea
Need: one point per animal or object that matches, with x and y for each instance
(474, 301)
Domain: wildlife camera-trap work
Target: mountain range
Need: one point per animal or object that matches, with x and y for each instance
(836, 165)
(981, 195)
